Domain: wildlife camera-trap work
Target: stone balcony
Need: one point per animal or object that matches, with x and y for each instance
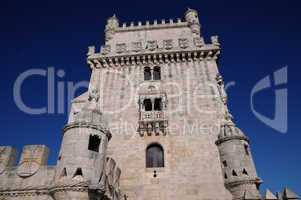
(152, 122)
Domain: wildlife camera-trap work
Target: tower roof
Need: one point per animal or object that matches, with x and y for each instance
(289, 194)
(228, 129)
(269, 195)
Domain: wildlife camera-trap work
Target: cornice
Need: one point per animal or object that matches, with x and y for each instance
(154, 57)
(87, 125)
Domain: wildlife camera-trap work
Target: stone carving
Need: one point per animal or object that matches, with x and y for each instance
(191, 16)
(198, 41)
(136, 46)
(214, 40)
(106, 49)
(121, 48)
(168, 44)
(112, 25)
(183, 43)
(221, 89)
(93, 95)
(152, 45)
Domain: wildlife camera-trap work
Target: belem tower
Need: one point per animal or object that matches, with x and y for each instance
(153, 125)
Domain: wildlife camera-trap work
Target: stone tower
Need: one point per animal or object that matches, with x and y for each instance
(82, 156)
(164, 105)
(237, 163)
(153, 125)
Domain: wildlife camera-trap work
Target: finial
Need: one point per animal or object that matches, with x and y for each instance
(228, 118)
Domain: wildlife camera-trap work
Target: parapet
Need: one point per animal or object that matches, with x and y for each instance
(32, 158)
(8, 157)
(30, 177)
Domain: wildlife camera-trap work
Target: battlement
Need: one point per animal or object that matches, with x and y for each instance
(156, 24)
(33, 157)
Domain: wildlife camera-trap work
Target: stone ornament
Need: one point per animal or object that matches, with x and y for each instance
(94, 95)
(198, 42)
(106, 49)
(168, 44)
(152, 45)
(214, 40)
(91, 51)
(136, 46)
(183, 43)
(121, 48)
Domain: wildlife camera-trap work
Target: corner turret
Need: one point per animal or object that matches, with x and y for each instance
(237, 164)
(82, 157)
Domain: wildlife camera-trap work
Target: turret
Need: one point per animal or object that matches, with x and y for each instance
(191, 17)
(82, 156)
(112, 25)
(237, 164)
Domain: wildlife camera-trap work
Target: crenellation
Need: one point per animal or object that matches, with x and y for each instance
(8, 158)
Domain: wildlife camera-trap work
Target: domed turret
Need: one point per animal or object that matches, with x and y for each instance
(237, 164)
(82, 156)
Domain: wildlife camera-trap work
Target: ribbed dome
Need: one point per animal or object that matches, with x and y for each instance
(229, 130)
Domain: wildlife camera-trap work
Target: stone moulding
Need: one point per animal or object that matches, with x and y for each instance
(83, 188)
(219, 141)
(242, 182)
(87, 125)
(24, 192)
(172, 56)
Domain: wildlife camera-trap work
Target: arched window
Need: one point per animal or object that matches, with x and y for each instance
(157, 73)
(147, 73)
(154, 156)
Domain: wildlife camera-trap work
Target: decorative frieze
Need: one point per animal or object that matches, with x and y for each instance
(121, 48)
(183, 43)
(198, 41)
(168, 44)
(106, 49)
(152, 45)
(136, 46)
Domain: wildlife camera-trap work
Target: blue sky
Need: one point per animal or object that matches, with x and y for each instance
(257, 37)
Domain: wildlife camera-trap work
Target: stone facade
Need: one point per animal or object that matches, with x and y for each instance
(152, 85)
